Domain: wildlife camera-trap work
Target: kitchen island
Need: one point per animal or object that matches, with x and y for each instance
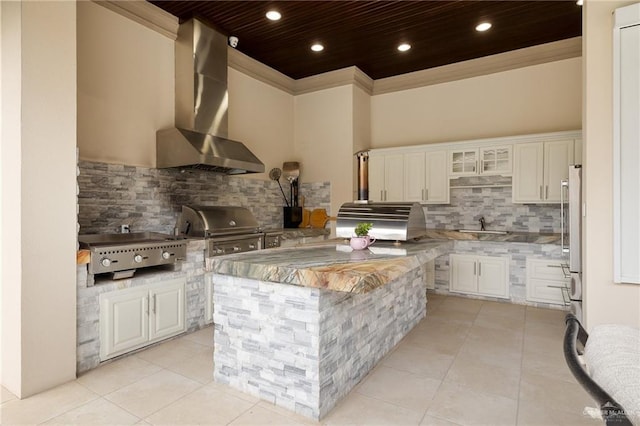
(301, 327)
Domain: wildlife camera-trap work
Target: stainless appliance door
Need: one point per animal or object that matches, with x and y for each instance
(575, 218)
(571, 217)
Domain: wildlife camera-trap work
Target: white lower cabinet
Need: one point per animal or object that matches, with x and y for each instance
(481, 275)
(135, 317)
(546, 281)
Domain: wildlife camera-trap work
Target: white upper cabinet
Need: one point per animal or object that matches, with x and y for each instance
(386, 177)
(463, 162)
(422, 173)
(539, 168)
(426, 178)
(495, 160)
(489, 160)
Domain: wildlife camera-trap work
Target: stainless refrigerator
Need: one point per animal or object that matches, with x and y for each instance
(571, 230)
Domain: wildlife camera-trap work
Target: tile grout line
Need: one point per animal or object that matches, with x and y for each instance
(524, 338)
(453, 362)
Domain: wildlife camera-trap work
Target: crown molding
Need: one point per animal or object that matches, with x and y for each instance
(350, 75)
(261, 72)
(166, 24)
(535, 55)
(145, 14)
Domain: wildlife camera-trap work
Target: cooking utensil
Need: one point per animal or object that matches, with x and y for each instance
(319, 218)
(291, 172)
(275, 174)
(294, 185)
(306, 216)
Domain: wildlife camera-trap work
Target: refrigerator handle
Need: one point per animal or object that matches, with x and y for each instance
(564, 184)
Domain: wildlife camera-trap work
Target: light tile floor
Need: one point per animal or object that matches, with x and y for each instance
(469, 362)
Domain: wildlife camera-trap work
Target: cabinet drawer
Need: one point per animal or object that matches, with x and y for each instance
(545, 269)
(545, 291)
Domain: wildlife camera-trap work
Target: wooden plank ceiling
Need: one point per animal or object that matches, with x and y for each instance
(366, 33)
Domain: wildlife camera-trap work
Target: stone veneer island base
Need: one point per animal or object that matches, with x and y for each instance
(304, 345)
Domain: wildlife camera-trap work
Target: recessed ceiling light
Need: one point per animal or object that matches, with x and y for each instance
(273, 15)
(484, 26)
(317, 47)
(404, 47)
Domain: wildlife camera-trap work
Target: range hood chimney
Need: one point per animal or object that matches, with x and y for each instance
(200, 137)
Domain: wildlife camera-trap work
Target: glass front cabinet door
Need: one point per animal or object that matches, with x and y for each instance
(464, 162)
(495, 160)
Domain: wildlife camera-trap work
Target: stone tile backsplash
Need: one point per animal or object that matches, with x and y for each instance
(472, 198)
(111, 195)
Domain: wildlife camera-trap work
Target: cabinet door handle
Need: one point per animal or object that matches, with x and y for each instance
(427, 192)
(146, 308)
(154, 304)
(546, 192)
(554, 266)
(481, 166)
(479, 269)
(541, 196)
(381, 195)
(474, 267)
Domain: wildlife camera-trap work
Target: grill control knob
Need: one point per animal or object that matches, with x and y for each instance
(252, 246)
(105, 262)
(236, 248)
(137, 258)
(219, 251)
(166, 255)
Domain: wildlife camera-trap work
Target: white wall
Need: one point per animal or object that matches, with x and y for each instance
(324, 140)
(604, 301)
(535, 99)
(125, 87)
(261, 116)
(10, 187)
(38, 195)
(126, 92)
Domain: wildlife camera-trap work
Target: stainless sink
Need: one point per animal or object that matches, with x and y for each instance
(476, 231)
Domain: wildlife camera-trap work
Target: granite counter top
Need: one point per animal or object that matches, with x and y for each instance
(511, 237)
(331, 265)
(300, 232)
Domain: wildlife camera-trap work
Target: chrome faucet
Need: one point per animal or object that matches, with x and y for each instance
(482, 223)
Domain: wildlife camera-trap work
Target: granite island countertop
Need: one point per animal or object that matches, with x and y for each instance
(331, 265)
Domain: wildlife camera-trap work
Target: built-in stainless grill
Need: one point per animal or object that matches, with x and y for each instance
(122, 254)
(227, 229)
(391, 221)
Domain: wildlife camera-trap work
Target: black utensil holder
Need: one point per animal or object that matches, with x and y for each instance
(292, 216)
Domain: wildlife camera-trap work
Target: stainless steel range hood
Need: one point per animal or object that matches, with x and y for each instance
(200, 137)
